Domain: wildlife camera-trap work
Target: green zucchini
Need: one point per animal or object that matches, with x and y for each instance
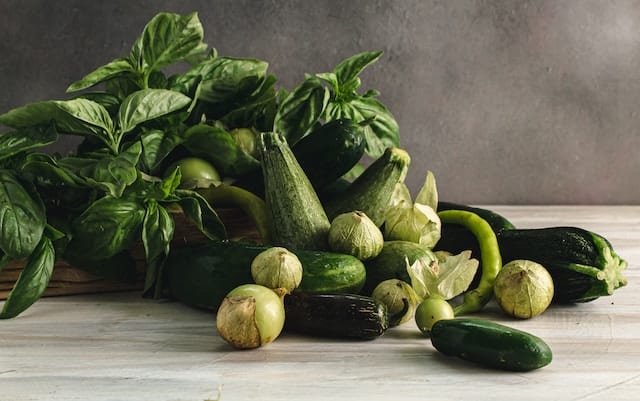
(582, 264)
(298, 218)
(490, 344)
(392, 261)
(201, 274)
(371, 192)
(325, 155)
(335, 315)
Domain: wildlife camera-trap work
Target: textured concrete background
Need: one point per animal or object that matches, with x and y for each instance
(506, 101)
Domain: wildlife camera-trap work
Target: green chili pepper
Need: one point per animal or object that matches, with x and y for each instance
(476, 299)
(231, 196)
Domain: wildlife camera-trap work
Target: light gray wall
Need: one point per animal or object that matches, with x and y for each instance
(506, 101)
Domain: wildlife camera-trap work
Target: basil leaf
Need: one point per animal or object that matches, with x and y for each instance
(107, 100)
(33, 280)
(199, 212)
(157, 144)
(349, 69)
(14, 142)
(153, 188)
(383, 131)
(113, 174)
(107, 227)
(76, 116)
(257, 110)
(157, 232)
(114, 68)
(169, 38)
(301, 109)
(22, 217)
(229, 78)
(147, 104)
(217, 145)
(48, 170)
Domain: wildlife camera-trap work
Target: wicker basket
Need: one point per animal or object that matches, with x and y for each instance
(67, 280)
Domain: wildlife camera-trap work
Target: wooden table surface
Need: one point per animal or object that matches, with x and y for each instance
(122, 347)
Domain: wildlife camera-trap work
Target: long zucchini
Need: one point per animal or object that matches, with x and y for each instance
(298, 218)
(371, 192)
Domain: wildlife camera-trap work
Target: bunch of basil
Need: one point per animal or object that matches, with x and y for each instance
(90, 207)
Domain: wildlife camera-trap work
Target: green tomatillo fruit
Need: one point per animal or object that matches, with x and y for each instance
(523, 289)
(250, 316)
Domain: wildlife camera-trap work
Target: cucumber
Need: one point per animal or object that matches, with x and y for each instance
(490, 344)
(329, 272)
(335, 315)
(371, 192)
(298, 218)
(392, 261)
(325, 155)
(201, 274)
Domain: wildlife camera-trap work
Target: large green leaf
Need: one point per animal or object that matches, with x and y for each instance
(228, 77)
(350, 68)
(157, 233)
(157, 145)
(14, 142)
(169, 38)
(107, 227)
(147, 104)
(33, 279)
(114, 68)
(301, 109)
(22, 217)
(77, 116)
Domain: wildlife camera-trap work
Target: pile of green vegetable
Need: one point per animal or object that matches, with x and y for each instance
(346, 250)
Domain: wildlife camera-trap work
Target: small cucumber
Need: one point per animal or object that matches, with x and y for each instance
(371, 192)
(201, 274)
(490, 344)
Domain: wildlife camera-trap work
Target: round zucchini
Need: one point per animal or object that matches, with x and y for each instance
(490, 344)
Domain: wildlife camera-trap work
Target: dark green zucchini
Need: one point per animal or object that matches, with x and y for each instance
(371, 192)
(490, 344)
(202, 274)
(325, 155)
(335, 315)
(582, 264)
